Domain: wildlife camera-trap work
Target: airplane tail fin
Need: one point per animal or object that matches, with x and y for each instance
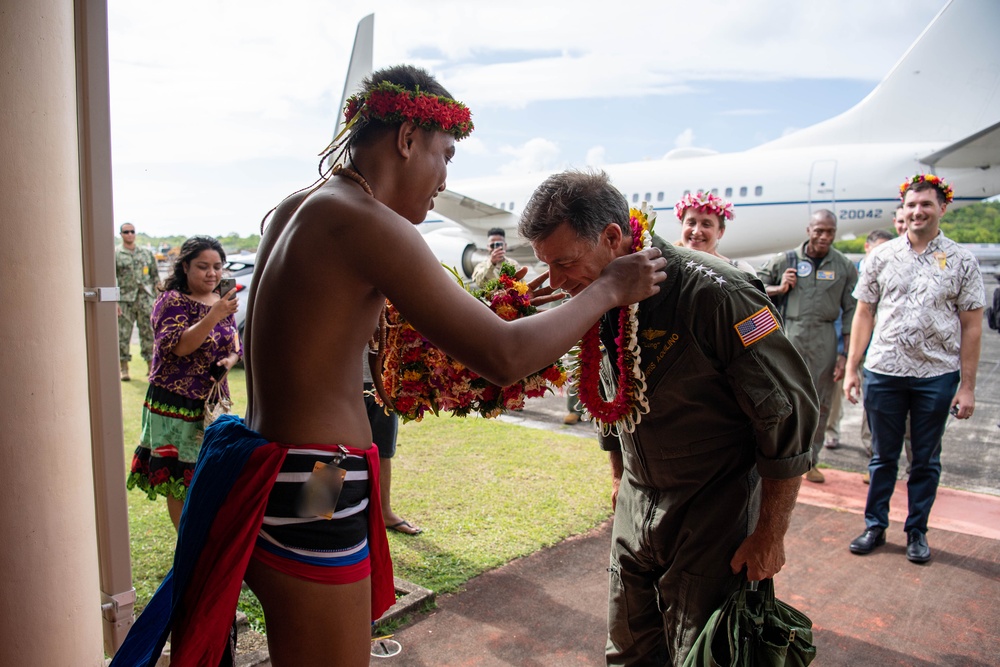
(360, 66)
(945, 88)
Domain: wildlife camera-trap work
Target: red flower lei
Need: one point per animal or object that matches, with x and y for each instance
(391, 103)
(419, 378)
(629, 403)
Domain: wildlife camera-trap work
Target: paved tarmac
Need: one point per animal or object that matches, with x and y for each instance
(549, 609)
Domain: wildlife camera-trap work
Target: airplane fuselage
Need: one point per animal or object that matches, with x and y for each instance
(851, 164)
(773, 191)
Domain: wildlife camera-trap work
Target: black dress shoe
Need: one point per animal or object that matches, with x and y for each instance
(917, 550)
(866, 542)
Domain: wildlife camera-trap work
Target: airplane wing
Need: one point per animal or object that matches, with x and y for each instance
(476, 218)
(979, 150)
(474, 215)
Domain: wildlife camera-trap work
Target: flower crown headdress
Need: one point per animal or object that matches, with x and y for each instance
(934, 180)
(391, 103)
(704, 202)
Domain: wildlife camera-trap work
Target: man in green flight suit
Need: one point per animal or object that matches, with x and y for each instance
(138, 277)
(817, 290)
(704, 486)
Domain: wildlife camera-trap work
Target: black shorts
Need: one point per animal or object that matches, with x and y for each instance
(384, 427)
(303, 546)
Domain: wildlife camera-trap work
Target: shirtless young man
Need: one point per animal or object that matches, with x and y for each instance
(327, 262)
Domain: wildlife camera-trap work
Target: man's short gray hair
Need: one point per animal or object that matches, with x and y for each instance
(584, 199)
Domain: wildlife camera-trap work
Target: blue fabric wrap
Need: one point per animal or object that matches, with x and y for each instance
(224, 452)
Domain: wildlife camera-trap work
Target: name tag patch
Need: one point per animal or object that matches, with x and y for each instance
(826, 275)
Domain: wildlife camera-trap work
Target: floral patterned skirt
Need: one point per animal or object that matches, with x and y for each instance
(172, 431)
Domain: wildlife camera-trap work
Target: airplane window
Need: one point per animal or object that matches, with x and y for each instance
(511, 207)
(759, 190)
(648, 197)
(715, 191)
(659, 196)
(635, 198)
(686, 193)
(743, 191)
(729, 192)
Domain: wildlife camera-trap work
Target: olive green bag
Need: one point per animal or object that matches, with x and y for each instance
(753, 629)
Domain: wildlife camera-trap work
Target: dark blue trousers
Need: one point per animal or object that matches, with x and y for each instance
(888, 401)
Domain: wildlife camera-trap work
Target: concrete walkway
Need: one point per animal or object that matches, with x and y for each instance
(549, 609)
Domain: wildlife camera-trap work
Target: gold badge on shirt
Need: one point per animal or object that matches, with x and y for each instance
(650, 335)
(942, 260)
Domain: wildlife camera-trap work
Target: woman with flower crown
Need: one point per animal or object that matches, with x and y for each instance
(283, 500)
(703, 223)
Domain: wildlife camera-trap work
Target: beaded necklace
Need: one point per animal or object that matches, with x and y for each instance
(347, 172)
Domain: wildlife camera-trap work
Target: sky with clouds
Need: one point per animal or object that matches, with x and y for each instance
(219, 107)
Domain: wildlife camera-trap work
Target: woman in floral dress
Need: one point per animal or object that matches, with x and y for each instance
(195, 343)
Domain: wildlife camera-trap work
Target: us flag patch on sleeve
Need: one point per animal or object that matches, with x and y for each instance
(755, 327)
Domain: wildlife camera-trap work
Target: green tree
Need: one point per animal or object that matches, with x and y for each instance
(975, 223)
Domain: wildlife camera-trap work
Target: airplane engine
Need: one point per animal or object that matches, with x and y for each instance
(455, 248)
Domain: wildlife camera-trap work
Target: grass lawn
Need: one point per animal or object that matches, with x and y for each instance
(484, 492)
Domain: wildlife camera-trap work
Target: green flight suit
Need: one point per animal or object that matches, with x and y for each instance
(137, 276)
(822, 293)
(730, 401)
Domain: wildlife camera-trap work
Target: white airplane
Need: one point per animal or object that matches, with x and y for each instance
(938, 110)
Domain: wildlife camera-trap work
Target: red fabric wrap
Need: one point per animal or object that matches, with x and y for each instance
(379, 562)
(202, 623)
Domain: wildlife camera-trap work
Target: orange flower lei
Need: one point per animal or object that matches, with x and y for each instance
(419, 378)
(629, 404)
(934, 180)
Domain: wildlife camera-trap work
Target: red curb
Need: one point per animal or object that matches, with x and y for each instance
(958, 511)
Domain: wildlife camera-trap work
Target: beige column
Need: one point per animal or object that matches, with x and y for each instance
(49, 590)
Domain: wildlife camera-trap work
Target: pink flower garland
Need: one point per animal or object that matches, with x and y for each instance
(704, 202)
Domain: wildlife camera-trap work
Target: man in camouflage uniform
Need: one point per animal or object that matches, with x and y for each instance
(489, 268)
(817, 286)
(703, 489)
(135, 269)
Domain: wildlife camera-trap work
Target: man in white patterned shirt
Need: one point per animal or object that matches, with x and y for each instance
(920, 304)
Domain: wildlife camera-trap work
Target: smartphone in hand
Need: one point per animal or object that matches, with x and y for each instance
(217, 372)
(224, 287)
